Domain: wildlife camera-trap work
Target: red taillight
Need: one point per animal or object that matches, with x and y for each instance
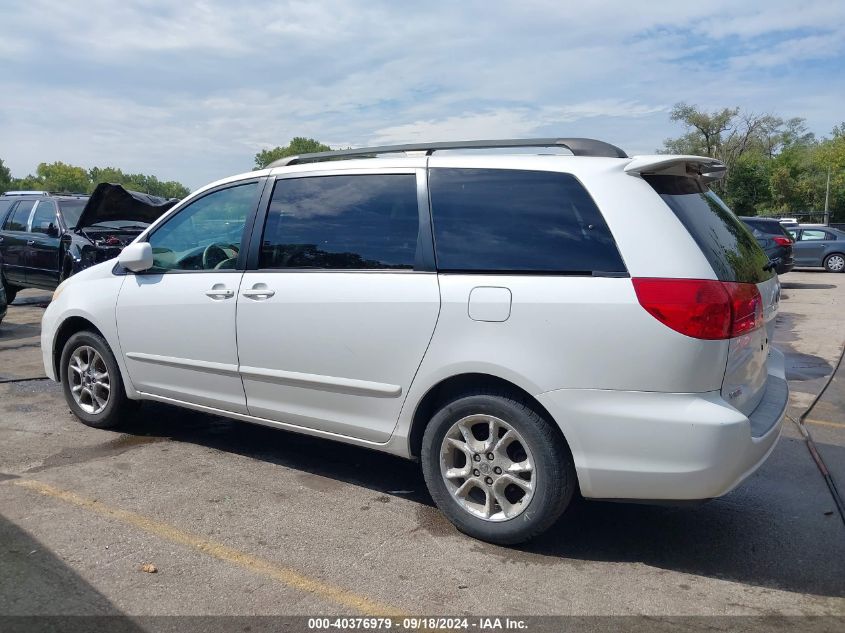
(782, 241)
(702, 308)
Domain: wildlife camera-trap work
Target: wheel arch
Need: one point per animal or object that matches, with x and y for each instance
(447, 388)
(68, 328)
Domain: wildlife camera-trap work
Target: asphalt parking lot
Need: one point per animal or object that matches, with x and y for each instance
(241, 519)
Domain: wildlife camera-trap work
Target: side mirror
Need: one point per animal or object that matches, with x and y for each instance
(136, 257)
(50, 229)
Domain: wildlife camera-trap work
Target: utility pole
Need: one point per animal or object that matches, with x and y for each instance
(827, 199)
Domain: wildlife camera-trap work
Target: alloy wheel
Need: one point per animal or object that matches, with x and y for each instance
(836, 263)
(487, 467)
(89, 380)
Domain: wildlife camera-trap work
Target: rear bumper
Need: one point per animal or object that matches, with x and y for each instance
(667, 446)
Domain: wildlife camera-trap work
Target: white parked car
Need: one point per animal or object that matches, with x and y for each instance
(527, 326)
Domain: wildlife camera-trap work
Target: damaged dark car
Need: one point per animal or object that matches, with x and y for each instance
(46, 238)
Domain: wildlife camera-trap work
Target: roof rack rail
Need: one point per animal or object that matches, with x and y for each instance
(578, 146)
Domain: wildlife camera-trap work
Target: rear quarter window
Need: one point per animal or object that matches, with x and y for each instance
(500, 220)
(728, 245)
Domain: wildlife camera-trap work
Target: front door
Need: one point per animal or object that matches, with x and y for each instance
(176, 322)
(335, 321)
(43, 247)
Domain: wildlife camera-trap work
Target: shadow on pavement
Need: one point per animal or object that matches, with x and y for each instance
(34, 582)
(786, 285)
(771, 532)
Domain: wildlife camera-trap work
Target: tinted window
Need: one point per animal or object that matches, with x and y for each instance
(342, 222)
(71, 210)
(5, 205)
(206, 234)
(518, 221)
(767, 227)
(729, 247)
(45, 216)
(20, 216)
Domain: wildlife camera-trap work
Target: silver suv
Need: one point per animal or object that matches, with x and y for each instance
(505, 319)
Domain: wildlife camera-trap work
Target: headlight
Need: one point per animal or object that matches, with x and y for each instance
(59, 289)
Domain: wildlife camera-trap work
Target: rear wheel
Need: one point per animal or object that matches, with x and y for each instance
(835, 263)
(92, 383)
(497, 468)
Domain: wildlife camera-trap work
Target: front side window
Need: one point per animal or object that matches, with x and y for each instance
(206, 234)
(501, 220)
(19, 218)
(71, 210)
(44, 217)
(367, 221)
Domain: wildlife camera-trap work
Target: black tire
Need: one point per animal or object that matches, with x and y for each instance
(11, 291)
(118, 406)
(827, 263)
(555, 482)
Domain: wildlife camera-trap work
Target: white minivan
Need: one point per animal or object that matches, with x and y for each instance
(526, 325)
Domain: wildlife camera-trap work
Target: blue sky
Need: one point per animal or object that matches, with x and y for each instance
(190, 91)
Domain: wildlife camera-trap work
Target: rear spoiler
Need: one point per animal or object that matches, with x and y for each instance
(708, 169)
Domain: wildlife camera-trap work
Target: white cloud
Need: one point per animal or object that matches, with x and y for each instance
(192, 90)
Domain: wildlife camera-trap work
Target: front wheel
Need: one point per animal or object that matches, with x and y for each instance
(91, 381)
(497, 468)
(834, 263)
(11, 291)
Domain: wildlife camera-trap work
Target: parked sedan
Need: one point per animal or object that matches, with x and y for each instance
(819, 246)
(774, 240)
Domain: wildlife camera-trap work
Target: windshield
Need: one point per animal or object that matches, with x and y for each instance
(726, 243)
(71, 210)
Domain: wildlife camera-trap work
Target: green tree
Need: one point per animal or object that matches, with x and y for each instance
(747, 191)
(60, 176)
(297, 145)
(138, 182)
(704, 129)
(5, 177)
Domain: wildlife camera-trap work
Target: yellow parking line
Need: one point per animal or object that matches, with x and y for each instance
(825, 423)
(284, 575)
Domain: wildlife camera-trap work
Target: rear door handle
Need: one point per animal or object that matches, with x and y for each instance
(259, 292)
(30, 242)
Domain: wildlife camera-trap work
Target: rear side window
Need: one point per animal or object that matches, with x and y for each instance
(4, 207)
(813, 235)
(20, 216)
(342, 223)
(729, 247)
(499, 220)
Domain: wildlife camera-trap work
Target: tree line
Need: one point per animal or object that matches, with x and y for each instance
(775, 166)
(64, 178)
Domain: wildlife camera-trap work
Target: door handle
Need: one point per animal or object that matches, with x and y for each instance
(259, 292)
(219, 291)
(30, 242)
